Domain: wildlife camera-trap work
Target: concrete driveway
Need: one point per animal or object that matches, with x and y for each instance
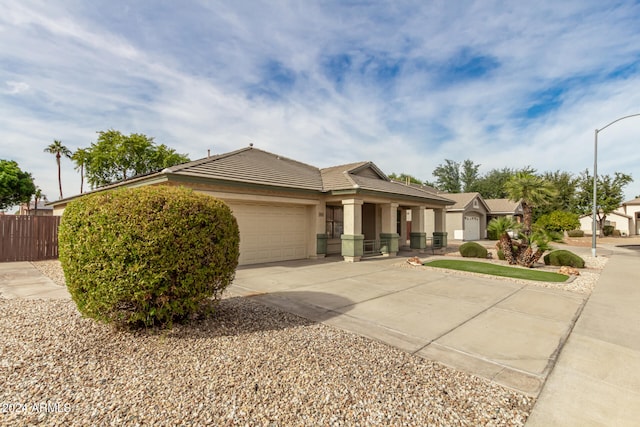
(506, 332)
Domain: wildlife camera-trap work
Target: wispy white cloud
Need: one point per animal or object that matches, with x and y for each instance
(404, 84)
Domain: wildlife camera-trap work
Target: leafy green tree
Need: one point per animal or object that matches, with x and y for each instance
(469, 176)
(566, 186)
(16, 186)
(532, 191)
(403, 177)
(114, 157)
(609, 197)
(491, 184)
(448, 177)
(60, 151)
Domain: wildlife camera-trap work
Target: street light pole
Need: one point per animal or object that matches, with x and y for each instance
(595, 181)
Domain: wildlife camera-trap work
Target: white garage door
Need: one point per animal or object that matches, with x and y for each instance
(471, 228)
(271, 232)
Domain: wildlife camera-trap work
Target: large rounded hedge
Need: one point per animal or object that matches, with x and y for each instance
(147, 256)
(472, 250)
(563, 257)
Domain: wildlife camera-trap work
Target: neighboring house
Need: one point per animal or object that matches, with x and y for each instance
(632, 209)
(30, 209)
(467, 217)
(618, 220)
(290, 210)
(626, 219)
(504, 207)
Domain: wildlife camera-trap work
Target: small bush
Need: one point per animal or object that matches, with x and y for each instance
(147, 256)
(501, 255)
(563, 257)
(607, 230)
(616, 233)
(472, 250)
(575, 233)
(558, 221)
(492, 235)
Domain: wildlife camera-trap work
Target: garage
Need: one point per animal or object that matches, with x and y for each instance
(471, 228)
(271, 233)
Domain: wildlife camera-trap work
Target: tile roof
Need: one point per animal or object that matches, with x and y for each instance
(253, 166)
(635, 201)
(338, 177)
(250, 165)
(502, 205)
(461, 199)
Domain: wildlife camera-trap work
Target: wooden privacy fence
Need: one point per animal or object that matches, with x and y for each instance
(28, 238)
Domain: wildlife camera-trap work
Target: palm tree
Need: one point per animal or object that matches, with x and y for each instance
(59, 150)
(37, 196)
(532, 191)
(80, 157)
(501, 226)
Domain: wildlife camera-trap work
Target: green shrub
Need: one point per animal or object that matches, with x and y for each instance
(558, 221)
(607, 230)
(472, 250)
(147, 256)
(492, 235)
(575, 233)
(562, 257)
(501, 255)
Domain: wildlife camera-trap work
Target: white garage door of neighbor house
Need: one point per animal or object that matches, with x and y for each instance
(271, 233)
(471, 228)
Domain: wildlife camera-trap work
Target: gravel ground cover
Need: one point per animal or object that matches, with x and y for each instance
(247, 365)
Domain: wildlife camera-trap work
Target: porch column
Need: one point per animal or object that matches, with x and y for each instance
(440, 233)
(389, 236)
(321, 232)
(352, 239)
(418, 231)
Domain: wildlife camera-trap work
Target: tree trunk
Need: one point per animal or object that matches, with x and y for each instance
(59, 176)
(527, 218)
(507, 248)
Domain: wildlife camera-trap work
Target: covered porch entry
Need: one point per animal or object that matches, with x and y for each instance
(379, 227)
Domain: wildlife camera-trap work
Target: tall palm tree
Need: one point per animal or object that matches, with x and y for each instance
(80, 157)
(37, 196)
(532, 191)
(59, 150)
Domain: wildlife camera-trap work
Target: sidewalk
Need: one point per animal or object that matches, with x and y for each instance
(596, 380)
(23, 280)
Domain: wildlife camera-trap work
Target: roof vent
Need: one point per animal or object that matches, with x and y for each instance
(251, 144)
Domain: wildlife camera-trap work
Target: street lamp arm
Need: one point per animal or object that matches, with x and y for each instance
(594, 213)
(616, 121)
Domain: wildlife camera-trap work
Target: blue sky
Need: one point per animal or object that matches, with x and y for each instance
(405, 84)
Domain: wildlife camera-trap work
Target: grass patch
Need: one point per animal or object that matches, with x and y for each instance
(497, 270)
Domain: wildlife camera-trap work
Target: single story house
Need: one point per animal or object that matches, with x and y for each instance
(625, 219)
(30, 209)
(467, 217)
(619, 221)
(290, 210)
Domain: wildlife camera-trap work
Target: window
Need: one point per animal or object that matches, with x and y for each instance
(335, 222)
